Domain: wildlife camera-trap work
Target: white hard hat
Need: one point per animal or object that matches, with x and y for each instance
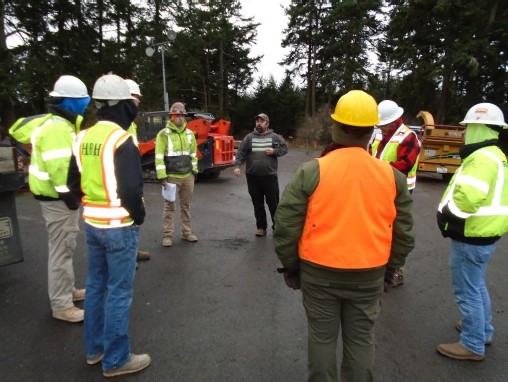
(133, 87)
(389, 111)
(111, 87)
(484, 113)
(70, 87)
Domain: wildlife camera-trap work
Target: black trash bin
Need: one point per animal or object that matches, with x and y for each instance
(10, 239)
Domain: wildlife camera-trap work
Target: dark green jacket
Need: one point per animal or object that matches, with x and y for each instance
(290, 220)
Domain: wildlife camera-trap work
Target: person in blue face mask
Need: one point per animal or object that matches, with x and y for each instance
(54, 186)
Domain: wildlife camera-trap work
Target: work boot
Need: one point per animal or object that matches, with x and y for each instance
(457, 351)
(190, 237)
(167, 242)
(72, 314)
(260, 232)
(458, 326)
(78, 295)
(95, 360)
(143, 255)
(134, 364)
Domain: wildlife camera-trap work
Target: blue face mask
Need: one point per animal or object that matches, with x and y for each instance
(76, 105)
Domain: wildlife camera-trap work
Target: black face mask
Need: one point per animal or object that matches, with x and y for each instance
(123, 113)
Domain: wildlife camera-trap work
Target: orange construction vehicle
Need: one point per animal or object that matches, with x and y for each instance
(215, 145)
(440, 147)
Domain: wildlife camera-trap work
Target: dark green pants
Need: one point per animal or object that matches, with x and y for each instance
(354, 306)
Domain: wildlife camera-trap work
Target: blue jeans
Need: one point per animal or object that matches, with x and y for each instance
(468, 264)
(109, 283)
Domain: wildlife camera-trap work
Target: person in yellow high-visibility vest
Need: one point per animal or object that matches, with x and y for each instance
(398, 145)
(133, 129)
(52, 136)
(113, 209)
(473, 213)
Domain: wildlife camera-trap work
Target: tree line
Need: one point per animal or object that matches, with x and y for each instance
(437, 55)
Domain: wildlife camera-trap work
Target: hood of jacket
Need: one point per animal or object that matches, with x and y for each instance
(476, 133)
(176, 128)
(23, 128)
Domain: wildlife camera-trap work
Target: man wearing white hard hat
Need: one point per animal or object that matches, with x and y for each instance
(113, 210)
(133, 129)
(397, 144)
(473, 213)
(50, 180)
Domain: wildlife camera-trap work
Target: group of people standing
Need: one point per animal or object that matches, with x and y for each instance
(342, 228)
(99, 167)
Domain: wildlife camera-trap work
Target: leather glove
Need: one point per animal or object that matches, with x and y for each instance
(291, 275)
(390, 275)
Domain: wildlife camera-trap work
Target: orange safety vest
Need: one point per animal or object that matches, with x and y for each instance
(350, 215)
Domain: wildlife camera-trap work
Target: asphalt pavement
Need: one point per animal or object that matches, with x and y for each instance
(217, 310)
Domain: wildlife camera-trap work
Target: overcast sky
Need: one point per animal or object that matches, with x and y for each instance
(270, 15)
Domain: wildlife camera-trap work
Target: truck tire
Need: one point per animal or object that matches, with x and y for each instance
(148, 167)
(213, 174)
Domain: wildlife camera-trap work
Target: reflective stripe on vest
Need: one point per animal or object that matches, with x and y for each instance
(101, 205)
(350, 215)
(171, 152)
(389, 153)
(40, 174)
(495, 209)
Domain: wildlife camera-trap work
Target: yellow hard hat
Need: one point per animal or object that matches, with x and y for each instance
(356, 108)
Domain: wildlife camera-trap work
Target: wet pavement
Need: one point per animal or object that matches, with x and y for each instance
(216, 310)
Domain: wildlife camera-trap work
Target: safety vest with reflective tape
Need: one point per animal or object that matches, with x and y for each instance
(478, 193)
(389, 153)
(95, 152)
(51, 137)
(350, 215)
(175, 152)
(133, 129)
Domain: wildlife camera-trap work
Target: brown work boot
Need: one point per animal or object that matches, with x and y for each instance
(457, 351)
(72, 314)
(167, 242)
(143, 255)
(78, 295)
(136, 363)
(458, 326)
(260, 232)
(190, 237)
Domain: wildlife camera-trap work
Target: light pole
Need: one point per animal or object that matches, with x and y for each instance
(150, 50)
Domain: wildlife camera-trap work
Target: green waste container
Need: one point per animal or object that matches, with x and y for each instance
(10, 239)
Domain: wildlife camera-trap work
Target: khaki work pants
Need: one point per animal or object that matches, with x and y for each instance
(184, 190)
(62, 225)
(352, 306)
